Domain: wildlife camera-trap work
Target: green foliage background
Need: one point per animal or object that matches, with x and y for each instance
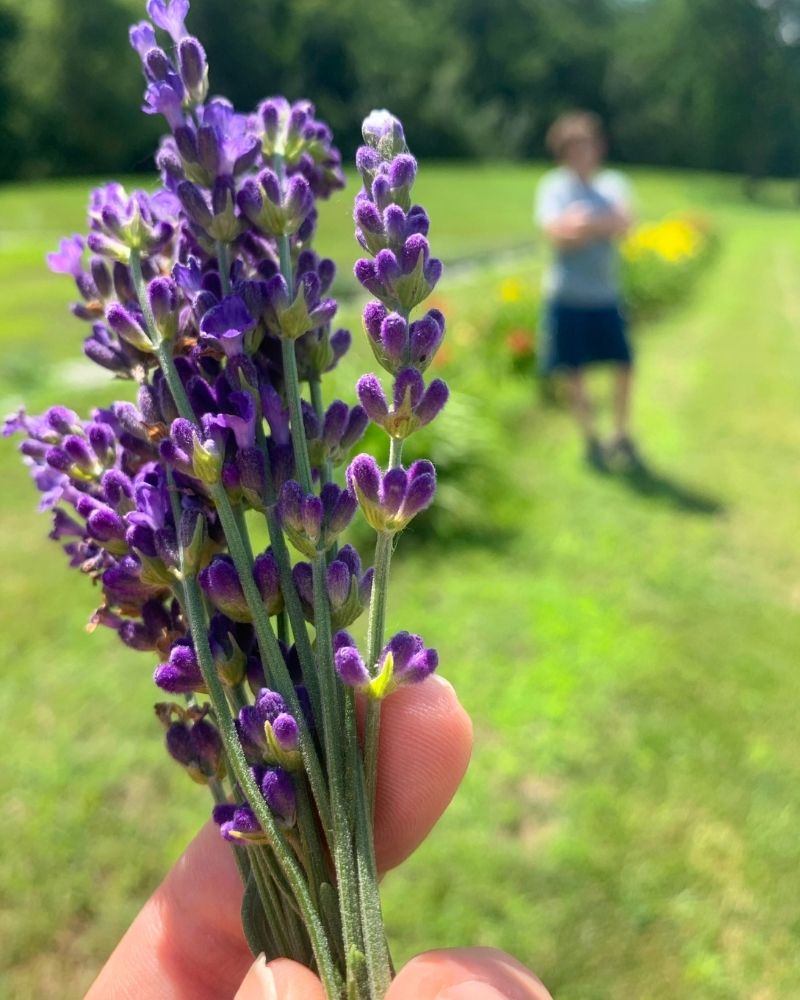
(703, 83)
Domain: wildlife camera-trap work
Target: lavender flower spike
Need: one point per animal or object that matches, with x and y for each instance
(390, 501)
(404, 660)
(414, 405)
(313, 523)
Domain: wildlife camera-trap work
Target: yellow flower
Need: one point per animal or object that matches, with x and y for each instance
(512, 290)
(674, 240)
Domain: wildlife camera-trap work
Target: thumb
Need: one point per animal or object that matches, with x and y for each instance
(466, 974)
(279, 980)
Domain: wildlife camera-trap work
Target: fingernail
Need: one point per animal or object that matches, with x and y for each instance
(473, 990)
(259, 983)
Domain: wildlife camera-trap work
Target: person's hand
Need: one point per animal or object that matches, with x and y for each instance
(187, 942)
(577, 225)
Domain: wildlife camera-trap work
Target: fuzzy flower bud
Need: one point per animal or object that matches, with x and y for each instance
(404, 660)
(313, 522)
(348, 589)
(389, 501)
(413, 407)
(276, 212)
(181, 673)
(222, 586)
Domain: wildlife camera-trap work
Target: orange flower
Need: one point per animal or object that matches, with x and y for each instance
(520, 343)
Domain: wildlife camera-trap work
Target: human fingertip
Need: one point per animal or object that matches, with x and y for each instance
(473, 990)
(466, 974)
(259, 983)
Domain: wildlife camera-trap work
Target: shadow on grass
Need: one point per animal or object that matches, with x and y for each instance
(646, 482)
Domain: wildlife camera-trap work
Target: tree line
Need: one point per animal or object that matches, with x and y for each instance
(699, 83)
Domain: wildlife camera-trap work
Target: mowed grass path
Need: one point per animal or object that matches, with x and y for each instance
(629, 822)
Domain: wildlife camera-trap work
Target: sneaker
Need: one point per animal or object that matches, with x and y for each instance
(595, 456)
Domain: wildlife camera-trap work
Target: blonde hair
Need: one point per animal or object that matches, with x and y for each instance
(572, 126)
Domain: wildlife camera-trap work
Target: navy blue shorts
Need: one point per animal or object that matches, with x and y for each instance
(577, 336)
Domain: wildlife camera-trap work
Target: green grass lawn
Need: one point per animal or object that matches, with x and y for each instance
(627, 649)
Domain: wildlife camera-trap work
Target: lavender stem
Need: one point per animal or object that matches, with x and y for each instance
(384, 546)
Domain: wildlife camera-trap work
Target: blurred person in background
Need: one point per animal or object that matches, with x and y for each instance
(584, 211)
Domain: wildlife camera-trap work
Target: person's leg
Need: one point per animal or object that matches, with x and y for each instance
(623, 382)
(622, 445)
(580, 402)
(584, 414)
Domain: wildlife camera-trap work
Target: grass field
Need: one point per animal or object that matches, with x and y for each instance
(627, 647)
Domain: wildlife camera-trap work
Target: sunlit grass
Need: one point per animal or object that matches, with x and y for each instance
(628, 825)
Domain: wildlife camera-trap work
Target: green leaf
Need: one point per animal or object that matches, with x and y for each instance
(255, 924)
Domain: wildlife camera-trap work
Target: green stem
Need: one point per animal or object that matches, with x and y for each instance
(283, 628)
(376, 627)
(241, 771)
(315, 384)
(278, 923)
(395, 452)
(375, 636)
(272, 657)
(241, 524)
(337, 758)
(376, 949)
(288, 589)
(292, 387)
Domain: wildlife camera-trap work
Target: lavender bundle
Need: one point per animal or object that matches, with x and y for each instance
(208, 294)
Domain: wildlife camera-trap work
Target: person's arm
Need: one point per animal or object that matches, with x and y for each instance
(577, 227)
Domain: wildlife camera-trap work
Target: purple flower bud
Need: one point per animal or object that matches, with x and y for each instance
(412, 661)
(268, 706)
(432, 402)
(421, 489)
(105, 525)
(335, 423)
(279, 792)
(194, 204)
(181, 673)
(207, 745)
(242, 827)
(79, 452)
(162, 294)
(408, 388)
(426, 338)
(222, 586)
(393, 491)
(389, 502)
(402, 171)
(267, 577)
(338, 582)
(128, 328)
(287, 732)
(179, 743)
(311, 513)
(193, 67)
(117, 488)
(157, 65)
(364, 478)
(252, 476)
(374, 315)
(351, 667)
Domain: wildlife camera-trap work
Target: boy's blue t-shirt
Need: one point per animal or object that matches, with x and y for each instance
(589, 275)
